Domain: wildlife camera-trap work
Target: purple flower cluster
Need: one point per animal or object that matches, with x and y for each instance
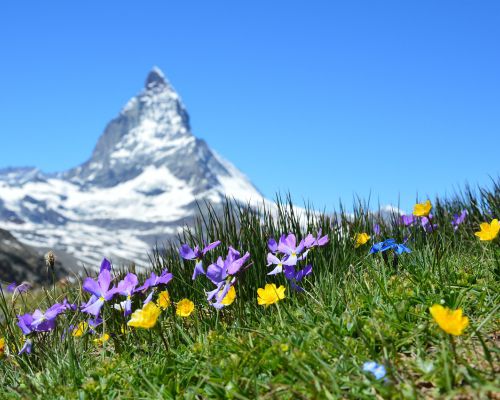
(425, 222)
(101, 291)
(223, 273)
(286, 254)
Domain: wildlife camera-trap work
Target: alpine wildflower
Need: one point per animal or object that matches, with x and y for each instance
(187, 253)
(229, 297)
(80, 329)
(450, 321)
(489, 231)
(408, 220)
(184, 308)
(100, 291)
(458, 219)
(377, 370)
(288, 245)
(163, 300)
(27, 347)
(223, 275)
(361, 239)
(126, 288)
(422, 209)
(270, 294)
(102, 339)
(2, 347)
(146, 317)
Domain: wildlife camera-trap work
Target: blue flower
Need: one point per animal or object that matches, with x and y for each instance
(377, 370)
(389, 244)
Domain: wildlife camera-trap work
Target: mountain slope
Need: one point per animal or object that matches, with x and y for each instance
(139, 186)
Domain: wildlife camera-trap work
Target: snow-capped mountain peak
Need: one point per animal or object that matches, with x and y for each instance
(139, 186)
(156, 77)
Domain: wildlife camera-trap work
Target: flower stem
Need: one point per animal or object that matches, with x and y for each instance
(279, 315)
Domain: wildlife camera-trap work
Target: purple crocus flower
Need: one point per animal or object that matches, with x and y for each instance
(24, 323)
(68, 306)
(94, 323)
(272, 245)
(222, 275)
(126, 288)
(22, 288)
(28, 344)
(155, 280)
(218, 274)
(105, 264)
(319, 241)
(234, 261)
(188, 253)
(427, 224)
(288, 246)
(294, 277)
(100, 289)
(376, 229)
(408, 220)
(459, 219)
(273, 260)
(44, 322)
(11, 287)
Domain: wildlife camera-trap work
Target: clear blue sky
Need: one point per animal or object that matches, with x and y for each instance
(322, 98)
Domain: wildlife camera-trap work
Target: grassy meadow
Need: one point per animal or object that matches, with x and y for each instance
(356, 307)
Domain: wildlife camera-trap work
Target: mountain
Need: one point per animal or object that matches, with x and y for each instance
(140, 185)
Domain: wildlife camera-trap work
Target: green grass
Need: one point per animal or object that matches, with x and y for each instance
(310, 345)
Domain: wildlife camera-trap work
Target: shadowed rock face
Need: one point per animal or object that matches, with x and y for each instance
(139, 186)
(19, 262)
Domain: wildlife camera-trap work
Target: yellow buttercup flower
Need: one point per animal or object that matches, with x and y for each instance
(488, 231)
(145, 317)
(450, 321)
(100, 340)
(80, 329)
(270, 294)
(229, 297)
(2, 347)
(422, 209)
(163, 300)
(184, 308)
(361, 238)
